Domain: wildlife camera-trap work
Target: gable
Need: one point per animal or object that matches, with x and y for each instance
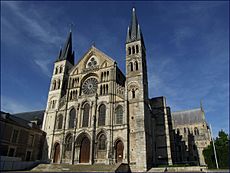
(93, 58)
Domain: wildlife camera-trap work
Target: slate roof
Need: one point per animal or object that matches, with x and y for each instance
(189, 117)
(66, 53)
(31, 116)
(134, 31)
(18, 121)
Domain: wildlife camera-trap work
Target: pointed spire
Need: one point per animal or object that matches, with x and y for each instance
(201, 106)
(68, 46)
(134, 24)
(128, 33)
(66, 53)
(134, 31)
(59, 55)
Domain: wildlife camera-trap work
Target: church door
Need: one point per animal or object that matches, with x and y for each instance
(56, 153)
(119, 151)
(85, 151)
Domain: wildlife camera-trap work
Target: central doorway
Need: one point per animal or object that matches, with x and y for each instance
(56, 153)
(119, 151)
(85, 150)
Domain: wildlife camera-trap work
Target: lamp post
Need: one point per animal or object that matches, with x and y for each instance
(214, 148)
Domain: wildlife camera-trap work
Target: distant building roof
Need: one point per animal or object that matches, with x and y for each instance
(7, 117)
(192, 116)
(31, 116)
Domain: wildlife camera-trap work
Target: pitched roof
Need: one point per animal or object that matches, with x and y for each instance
(31, 116)
(18, 121)
(192, 116)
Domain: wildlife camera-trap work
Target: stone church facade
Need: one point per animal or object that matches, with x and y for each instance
(97, 114)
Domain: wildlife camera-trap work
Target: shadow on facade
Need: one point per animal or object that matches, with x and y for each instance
(184, 150)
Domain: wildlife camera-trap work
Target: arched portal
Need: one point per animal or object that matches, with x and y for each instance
(119, 151)
(84, 150)
(56, 153)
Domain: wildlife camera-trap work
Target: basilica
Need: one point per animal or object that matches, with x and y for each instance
(96, 114)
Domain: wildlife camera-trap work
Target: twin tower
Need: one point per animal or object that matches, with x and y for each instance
(95, 114)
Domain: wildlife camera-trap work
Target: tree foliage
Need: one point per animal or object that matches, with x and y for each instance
(222, 151)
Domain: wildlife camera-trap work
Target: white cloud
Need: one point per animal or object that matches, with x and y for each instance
(12, 106)
(34, 25)
(43, 64)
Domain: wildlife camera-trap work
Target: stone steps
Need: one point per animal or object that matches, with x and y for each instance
(81, 168)
(180, 169)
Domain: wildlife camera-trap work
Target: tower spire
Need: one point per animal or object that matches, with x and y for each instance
(67, 53)
(134, 31)
(201, 105)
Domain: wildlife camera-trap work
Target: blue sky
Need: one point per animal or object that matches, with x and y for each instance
(187, 49)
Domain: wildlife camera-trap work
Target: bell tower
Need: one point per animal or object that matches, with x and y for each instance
(137, 97)
(57, 91)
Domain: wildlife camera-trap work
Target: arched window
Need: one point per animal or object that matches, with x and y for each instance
(72, 116)
(102, 76)
(107, 75)
(56, 70)
(178, 131)
(60, 70)
(136, 65)
(107, 88)
(129, 49)
(103, 89)
(185, 131)
(68, 143)
(75, 95)
(71, 95)
(73, 81)
(137, 48)
(133, 50)
(58, 84)
(131, 66)
(102, 142)
(100, 90)
(119, 115)
(102, 113)
(59, 121)
(54, 85)
(196, 131)
(85, 115)
(133, 93)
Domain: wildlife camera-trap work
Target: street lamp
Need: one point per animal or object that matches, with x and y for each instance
(214, 148)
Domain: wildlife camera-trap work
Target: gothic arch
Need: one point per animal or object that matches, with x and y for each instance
(56, 70)
(101, 114)
(131, 66)
(119, 150)
(56, 152)
(68, 142)
(129, 51)
(59, 121)
(85, 114)
(83, 142)
(72, 117)
(132, 85)
(119, 111)
(89, 75)
(136, 65)
(80, 137)
(60, 69)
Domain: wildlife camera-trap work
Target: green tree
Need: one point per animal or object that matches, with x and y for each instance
(222, 151)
